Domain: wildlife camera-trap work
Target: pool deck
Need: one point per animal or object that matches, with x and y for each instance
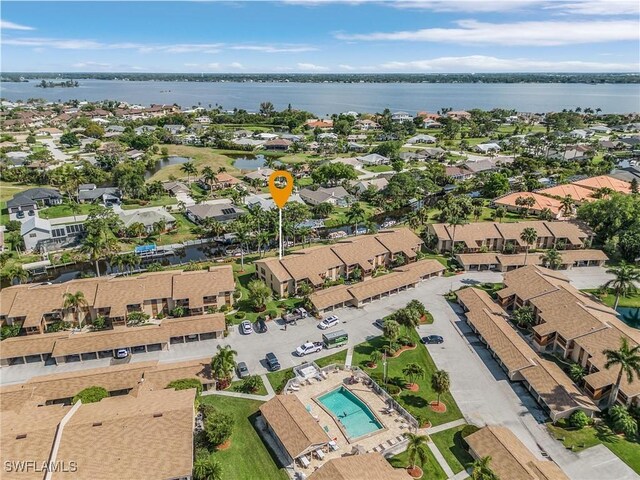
(394, 426)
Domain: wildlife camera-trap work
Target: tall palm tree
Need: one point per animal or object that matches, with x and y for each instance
(97, 246)
(355, 215)
(566, 205)
(499, 214)
(207, 467)
(480, 469)
(190, 169)
(624, 283)
(242, 237)
(440, 382)
(17, 272)
(413, 371)
(628, 359)
(417, 448)
(454, 218)
(528, 236)
(208, 175)
(223, 363)
(552, 259)
(74, 302)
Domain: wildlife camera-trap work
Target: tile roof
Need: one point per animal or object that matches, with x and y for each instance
(296, 429)
(605, 181)
(541, 202)
(353, 468)
(510, 458)
(531, 281)
(576, 192)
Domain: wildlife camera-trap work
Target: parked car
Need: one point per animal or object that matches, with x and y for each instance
(272, 361)
(379, 323)
(328, 322)
(122, 353)
(242, 370)
(261, 326)
(432, 339)
(20, 215)
(245, 327)
(307, 348)
(301, 312)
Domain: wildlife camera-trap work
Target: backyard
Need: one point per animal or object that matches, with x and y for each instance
(247, 457)
(417, 402)
(452, 447)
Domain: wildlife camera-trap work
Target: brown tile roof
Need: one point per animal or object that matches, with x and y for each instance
(512, 231)
(477, 258)
(574, 232)
(576, 192)
(476, 299)
(30, 344)
(330, 297)
(296, 429)
(360, 250)
(276, 268)
(531, 281)
(159, 376)
(582, 255)
(473, 234)
(510, 458)
(400, 240)
(541, 202)
(207, 323)
(605, 181)
(148, 436)
(555, 388)
(196, 285)
(311, 263)
(29, 437)
(421, 268)
(353, 468)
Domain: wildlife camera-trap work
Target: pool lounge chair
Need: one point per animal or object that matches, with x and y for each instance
(324, 374)
(333, 445)
(304, 461)
(294, 388)
(320, 454)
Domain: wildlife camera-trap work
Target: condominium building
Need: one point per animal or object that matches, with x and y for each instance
(35, 307)
(316, 265)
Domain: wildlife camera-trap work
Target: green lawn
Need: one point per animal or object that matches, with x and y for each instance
(202, 156)
(279, 379)
(432, 470)
(339, 216)
(156, 202)
(247, 458)
(337, 357)
(451, 445)
(576, 440)
(379, 168)
(237, 387)
(630, 301)
(65, 210)
(417, 403)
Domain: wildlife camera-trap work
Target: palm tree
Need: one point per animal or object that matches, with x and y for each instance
(480, 469)
(440, 382)
(454, 218)
(75, 302)
(207, 467)
(242, 237)
(628, 359)
(524, 316)
(416, 448)
(413, 371)
(223, 364)
(208, 175)
(391, 329)
(499, 214)
(552, 259)
(356, 215)
(96, 247)
(624, 282)
(528, 236)
(566, 205)
(16, 271)
(190, 169)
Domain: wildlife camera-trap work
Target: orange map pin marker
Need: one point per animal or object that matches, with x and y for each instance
(280, 195)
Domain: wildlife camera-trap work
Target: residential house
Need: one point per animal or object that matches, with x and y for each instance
(400, 117)
(278, 144)
(144, 129)
(373, 159)
(174, 129)
(337, 196)
(435, 153)
(487, 147)
(605, 181)
(39, 234)
(366, 125)
(265, 200)
(422, 138)
(260, 175)
(377, 184)
(477, 262)
(352, 467)
(321, 124)
(32, 199)
(223, 211)
(151, 218)
(89, 193)
(458, 115)
(540, 203)
(458, 173)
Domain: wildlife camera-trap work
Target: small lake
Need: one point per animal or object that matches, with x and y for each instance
(630, 316)
(250, 162)
(166, 162)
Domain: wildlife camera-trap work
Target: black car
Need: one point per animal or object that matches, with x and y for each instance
(261, 326)
(272, 362)
(242, 369)
(379, 323)
(432, 339)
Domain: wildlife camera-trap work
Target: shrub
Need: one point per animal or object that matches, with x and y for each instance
(185, 384)
(178, 312)
(91, 395)
(579, 419)
(393, 390)
(468, 430)
(212, 310)
(623, 421)
(272, 314)
(224, 308)
(240, 315)
(137, 318)
(404, 341)
(287, 376)
(100, 323)
(218, 426)
(237, 294)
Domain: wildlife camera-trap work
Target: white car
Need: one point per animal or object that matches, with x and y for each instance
(122, 353)
(329, 322)
(307, 348)
(246, 328)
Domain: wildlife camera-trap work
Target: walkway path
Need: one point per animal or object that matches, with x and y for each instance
(445, 426)
(441, 461)
(248, 396)
(349, 357)
(267, 385)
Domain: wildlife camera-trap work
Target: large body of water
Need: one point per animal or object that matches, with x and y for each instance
(329, 98)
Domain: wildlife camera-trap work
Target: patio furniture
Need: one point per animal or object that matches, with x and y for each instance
(304, 461)
(294, 388)
(320, 454)
(324, 374)
(333, 445)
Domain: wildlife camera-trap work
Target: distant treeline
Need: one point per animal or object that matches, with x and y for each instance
(595, 78)
(65, 83)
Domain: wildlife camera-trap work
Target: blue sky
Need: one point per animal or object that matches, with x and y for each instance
(422, 36)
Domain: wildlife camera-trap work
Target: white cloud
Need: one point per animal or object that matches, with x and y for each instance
(6, 25)
(482, 63)
(310, 67)
(465, 5)
(85, 44)
(275, 49)
(597, 7)
(544, 33)
(347, 67)
(236, 65)
(91, 64)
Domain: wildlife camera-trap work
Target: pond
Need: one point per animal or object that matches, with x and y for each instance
(165, 162)
(250, 162)
(630, 316)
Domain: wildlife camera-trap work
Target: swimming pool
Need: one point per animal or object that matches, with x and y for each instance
(354, 415)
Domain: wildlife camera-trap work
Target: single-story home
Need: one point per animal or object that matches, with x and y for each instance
(335, 195)
(223, 211)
